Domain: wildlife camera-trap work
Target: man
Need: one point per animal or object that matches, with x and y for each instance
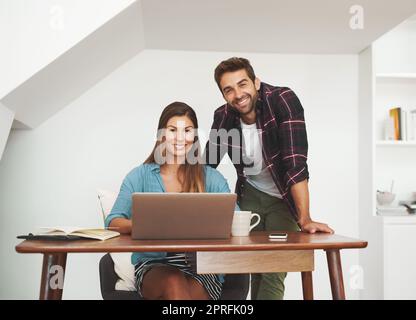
(272, 152)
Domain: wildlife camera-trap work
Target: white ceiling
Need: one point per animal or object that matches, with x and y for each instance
(78, 69)
(277, 26)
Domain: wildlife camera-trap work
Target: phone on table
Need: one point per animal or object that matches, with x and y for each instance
(277, 235)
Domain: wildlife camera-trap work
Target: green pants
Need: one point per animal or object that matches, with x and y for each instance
(275, 215)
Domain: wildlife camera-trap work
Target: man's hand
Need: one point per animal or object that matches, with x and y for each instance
(310, 226)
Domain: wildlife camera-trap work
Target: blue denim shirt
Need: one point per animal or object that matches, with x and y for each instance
(146, 178)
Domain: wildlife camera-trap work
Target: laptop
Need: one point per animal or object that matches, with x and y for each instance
(182, 215)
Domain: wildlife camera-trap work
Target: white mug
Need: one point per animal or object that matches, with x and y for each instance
(242, 226)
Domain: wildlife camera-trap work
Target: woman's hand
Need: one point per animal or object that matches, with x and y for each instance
(121, 225)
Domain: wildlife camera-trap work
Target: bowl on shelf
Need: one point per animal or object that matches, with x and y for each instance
(385, 198)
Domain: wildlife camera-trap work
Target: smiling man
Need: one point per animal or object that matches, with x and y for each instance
(271, 167)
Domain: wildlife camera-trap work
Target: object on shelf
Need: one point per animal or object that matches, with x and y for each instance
(409, 205)
(400, 125)
(386, 197)
(391, 211)
(396, 115)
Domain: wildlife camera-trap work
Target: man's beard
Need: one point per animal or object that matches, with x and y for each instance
(251, 106)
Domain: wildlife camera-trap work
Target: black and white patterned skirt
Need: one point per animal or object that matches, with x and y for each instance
(210, 282)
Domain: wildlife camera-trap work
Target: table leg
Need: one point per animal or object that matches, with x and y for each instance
(307, 285)
(53, 274)
(335, 274)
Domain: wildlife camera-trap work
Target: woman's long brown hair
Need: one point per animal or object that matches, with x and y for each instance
(191, 176)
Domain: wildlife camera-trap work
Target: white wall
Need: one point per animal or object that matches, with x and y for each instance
(370, 271)
(396, 50)
(49, 175)
(6, 120)
(34, 33)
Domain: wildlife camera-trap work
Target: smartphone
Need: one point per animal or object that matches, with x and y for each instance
(278, 235)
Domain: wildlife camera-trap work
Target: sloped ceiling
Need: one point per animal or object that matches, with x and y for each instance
(77, 70)
(274, 26)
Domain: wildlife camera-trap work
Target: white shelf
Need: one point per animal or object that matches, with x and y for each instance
(396, 143)
(410, 76)
(408, 219)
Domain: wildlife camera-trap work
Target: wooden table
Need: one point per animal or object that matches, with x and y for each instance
(253, 254)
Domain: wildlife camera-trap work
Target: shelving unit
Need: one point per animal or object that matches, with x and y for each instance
(392, 160)
(387, 80)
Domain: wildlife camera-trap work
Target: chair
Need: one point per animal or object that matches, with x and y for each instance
(235, 286)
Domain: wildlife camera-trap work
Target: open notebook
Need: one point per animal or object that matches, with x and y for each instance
(71, 233)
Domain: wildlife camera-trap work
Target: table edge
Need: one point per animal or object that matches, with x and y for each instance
(356, 245)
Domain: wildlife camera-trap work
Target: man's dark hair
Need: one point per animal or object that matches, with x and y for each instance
(231, 65)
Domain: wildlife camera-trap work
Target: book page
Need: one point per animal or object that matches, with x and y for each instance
(70, 230)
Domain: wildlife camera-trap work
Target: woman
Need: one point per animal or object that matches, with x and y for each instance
(171, 167)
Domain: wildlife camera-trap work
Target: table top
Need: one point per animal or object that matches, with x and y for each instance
(258, 240)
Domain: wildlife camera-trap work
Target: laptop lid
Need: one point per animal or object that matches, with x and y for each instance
(182, 215)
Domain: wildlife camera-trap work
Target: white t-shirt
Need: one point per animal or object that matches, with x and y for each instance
(258, 176)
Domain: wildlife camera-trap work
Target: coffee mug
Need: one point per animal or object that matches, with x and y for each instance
(242, 226)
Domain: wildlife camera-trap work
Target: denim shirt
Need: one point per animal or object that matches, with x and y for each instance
(147, 178)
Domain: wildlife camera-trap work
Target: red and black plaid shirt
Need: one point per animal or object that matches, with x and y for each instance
(281, 124)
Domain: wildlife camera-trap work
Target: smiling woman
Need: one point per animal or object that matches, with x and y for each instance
(173, 166)
(178, 146)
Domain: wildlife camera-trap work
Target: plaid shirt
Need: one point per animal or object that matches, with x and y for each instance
(281, 124)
